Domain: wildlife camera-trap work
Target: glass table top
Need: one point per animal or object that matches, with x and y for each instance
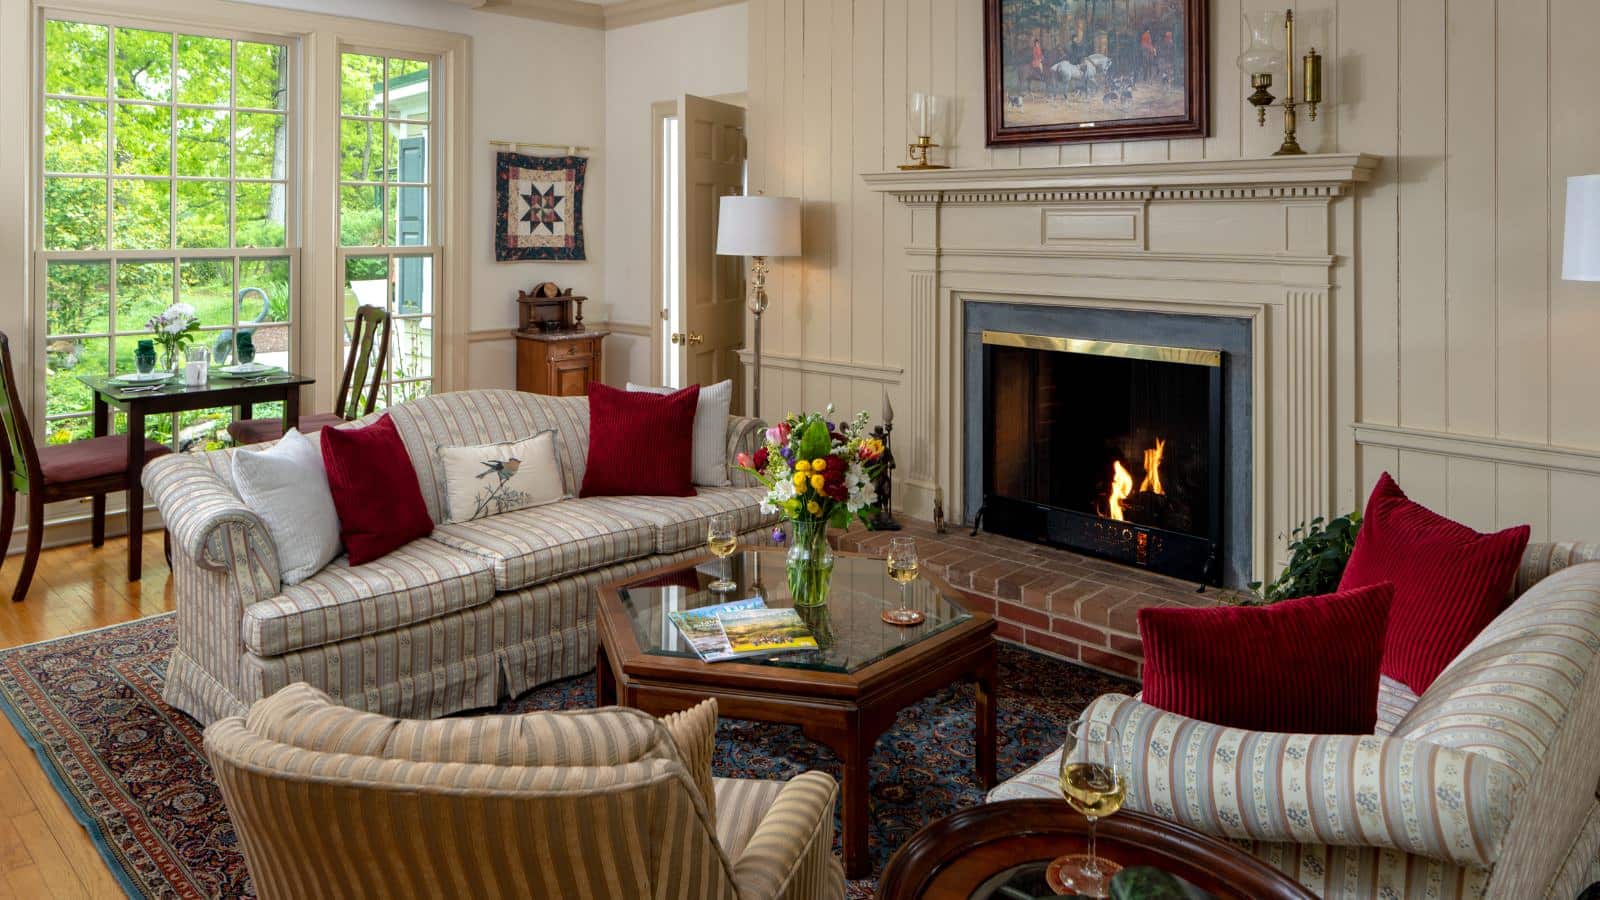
(850, 630)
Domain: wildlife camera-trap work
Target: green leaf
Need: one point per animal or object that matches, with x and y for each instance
(814, 442)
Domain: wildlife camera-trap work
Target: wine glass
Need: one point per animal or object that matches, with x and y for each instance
(722, 540)
(902, 566)
(1094, 782)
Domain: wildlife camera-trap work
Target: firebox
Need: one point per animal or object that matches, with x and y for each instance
(1109, 448)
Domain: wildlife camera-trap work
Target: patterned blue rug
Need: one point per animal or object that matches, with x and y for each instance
(133, 772)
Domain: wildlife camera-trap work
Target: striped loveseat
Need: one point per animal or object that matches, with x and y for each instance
(476, 612)
(1485, 786)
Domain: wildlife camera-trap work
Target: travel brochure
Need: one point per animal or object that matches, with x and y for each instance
(742, 628)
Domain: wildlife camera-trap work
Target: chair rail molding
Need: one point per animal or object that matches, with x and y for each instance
(1256, 239)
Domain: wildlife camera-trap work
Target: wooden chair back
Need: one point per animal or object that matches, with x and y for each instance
(19, 458)
(371, 323)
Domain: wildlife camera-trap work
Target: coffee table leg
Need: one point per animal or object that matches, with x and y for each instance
(854, 749)
(986, 681)
(605, 685)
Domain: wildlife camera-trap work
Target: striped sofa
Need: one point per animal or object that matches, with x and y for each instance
(1485, 786)
(332, 802)
(476, 612)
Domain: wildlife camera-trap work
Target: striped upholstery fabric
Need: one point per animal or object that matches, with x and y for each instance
(1540, 561)
(1394, 701)
(680, 522)
(694, 733)
(544, 543)
(591, 804)
(742, 802)
(1372, 873)
(745, 435)
(420, 581)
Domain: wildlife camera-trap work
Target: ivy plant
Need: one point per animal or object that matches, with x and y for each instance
(1317, 557)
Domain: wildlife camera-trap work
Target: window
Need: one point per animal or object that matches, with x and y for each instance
(168, 177)
(386, 209)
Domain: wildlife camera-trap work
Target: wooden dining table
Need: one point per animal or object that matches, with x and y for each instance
(141, 401)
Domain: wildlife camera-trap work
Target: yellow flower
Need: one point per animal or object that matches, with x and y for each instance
(813, 507)
(799, 481)
(817, 482)
(821, 465)
(801, 465)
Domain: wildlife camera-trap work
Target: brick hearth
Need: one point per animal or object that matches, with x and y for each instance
(1055, 601)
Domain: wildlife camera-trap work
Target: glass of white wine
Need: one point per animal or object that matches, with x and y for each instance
(1094, 782)
(902, 566)
(722, 540)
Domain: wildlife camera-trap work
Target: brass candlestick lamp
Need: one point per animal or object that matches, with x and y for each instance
(1264, 55)
(926, 112)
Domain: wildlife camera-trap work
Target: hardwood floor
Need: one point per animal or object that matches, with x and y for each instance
(44, 852)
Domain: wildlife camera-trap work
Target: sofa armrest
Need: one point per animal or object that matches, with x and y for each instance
(1338, 790)
(1540, 561)
(201, 513)
(744, 436)
(790, 854)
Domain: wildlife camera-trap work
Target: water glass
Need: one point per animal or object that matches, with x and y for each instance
(196, 366)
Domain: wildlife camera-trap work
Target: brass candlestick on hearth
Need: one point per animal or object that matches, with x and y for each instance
(1262, 57)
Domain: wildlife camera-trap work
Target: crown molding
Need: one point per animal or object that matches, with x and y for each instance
(595, 15)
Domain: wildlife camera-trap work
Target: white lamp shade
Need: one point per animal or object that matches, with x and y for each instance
(1580, 252)
(758, 226)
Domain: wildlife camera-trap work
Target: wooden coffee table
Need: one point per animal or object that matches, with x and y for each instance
(843, 696)
(972, 854)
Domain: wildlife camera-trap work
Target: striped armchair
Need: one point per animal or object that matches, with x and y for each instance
(1485, 786)
(334, 802)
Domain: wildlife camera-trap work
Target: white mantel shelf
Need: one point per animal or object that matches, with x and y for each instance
(1322, 173)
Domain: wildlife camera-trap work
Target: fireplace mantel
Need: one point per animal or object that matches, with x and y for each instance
(1269, 241)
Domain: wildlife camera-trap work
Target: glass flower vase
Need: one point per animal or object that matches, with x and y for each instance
(810, 564)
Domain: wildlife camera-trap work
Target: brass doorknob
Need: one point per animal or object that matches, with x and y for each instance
(696, 338)
(692, 337)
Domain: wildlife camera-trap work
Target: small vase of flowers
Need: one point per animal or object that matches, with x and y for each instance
(817, 474)
(173, 329)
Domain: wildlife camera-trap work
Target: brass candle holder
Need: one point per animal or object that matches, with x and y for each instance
(919, 154)
(1310, 83)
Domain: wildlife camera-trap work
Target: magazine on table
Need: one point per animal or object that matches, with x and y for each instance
(740, 629)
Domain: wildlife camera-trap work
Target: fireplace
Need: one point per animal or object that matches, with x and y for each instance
(1111, 448)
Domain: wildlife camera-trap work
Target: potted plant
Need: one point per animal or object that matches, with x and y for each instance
(1317, 556)
(817, 474)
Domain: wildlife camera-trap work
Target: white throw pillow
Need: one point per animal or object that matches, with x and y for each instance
(710, 431)
(489, 479)
(287, 487)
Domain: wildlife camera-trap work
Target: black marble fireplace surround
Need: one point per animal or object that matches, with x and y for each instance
(1077, 434)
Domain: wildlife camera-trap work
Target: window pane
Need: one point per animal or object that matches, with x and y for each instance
(143, 142)
(413, 285)
(203, 429)
(143, 215)
(74, 137)
(202, 142)
(75, 58)
(360, 150)
(258, 214)
(77, 297)
(261, 145)
(263, 75)
(207, 285)
(203, 214)
(65, 431)
(408, 89)
(269, 277)
(361, 216)
(407, 224)
(361, 88)
(144, 289)
(65, 360)
(366, 283)
(205, 70)
(411, 390)
(411, 348)
(74, 213)
(144, 64)
(408, 153)
(272, 345)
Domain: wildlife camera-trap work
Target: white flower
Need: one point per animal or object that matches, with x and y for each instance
(782, 492)
(863, 493)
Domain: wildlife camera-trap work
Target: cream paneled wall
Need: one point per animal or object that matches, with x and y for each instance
(1478, 368)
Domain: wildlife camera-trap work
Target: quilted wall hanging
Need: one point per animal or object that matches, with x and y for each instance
(540, 210)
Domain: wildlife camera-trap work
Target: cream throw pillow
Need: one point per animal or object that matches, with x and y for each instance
(287, 487)
(490, 479)
(710, 431)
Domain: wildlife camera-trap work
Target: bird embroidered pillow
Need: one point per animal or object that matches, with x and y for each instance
(490, 479)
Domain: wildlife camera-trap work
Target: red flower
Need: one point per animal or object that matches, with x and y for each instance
(833, 486)
(761, 460)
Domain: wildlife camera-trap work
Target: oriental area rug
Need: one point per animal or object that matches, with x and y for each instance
(133, 772)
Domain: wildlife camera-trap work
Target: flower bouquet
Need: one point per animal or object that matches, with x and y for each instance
(817, 473)
(173, 329)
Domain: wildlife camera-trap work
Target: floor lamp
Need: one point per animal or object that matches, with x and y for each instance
(758, 227)
(1580, 251)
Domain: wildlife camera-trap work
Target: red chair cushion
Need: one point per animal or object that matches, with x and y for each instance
(1449, 580)
(92, 458)
(255, 431)
(640, 443)
(1305, 666)
(375, 490)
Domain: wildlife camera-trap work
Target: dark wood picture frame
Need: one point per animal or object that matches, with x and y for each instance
(1194, 122)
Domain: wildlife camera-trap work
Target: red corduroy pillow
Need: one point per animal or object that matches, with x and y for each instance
(1449, 580)
(1304, 666)
(640, 443)
(375, 490)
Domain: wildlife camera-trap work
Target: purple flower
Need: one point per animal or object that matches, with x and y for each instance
(778, 535)
(787, 453)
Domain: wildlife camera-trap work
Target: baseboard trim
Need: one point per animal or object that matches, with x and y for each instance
(1489, 449)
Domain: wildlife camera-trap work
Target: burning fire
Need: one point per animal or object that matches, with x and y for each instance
(1122, 480)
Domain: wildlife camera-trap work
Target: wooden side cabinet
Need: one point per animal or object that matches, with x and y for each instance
(561, 363)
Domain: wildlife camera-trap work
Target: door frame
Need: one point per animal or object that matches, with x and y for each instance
(660, 111)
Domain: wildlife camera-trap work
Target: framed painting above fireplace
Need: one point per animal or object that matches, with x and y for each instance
(1095, 70)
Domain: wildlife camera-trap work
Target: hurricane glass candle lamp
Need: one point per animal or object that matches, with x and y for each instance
(926, 113)
(1266, 55)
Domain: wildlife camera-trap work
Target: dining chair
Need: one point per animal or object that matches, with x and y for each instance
(372, 323)
(50, 474)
